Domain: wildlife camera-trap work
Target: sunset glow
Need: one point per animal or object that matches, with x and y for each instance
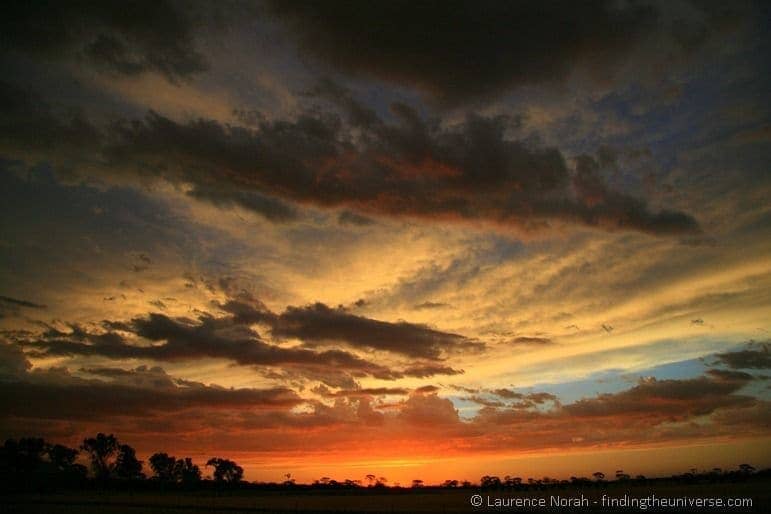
(326, 241)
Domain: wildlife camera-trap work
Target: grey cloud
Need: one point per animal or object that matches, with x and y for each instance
(73, 398)
(531, 341)
(477, 50)
(351, 218)
(472, 172)
(13, 306)
(129, 38)
(748, 358)
(232, 338)
(676, 398)
(319, 323)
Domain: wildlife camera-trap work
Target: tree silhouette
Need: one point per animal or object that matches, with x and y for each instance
(102, 450)
(225, 470)
(163, 466)
(169, 469)
(599, 476)
(23, 456)
(127, 466)
(62, 457)
(489, 482)
(187, 472)
(417, 483)
(31, 451)
(371, 480)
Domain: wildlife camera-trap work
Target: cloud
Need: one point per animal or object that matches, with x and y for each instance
(667, 398)
(472, 171)
(136, 37)
(319, 323)
(32, 130)
(429, 410)
(748, 358)
(204, 338)
(531, 341)
(472, 50)
(270, 208)
(430, 305)
(126, 395)
(511, 399)
(351, 218)
(426, 370)
(13, 362)
(361, 392)
(426, 389)
(233, 338)
(348, 419)
(7, 300)
(12, 306)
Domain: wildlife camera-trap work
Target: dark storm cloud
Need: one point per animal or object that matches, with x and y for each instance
(29, 128)
(351, 218)
(362, 392)
(62, 396)
(729, 375)
(749, 358)
(232, 338)
(458, 51)
(320, 323)
(13, 306)
(620, 207)
(206, 337)
(270, 208)
(511, 399)
(473, 171)
(430, 369)
(128, 38)
(15, 302)
(690, 397)
(13, 362)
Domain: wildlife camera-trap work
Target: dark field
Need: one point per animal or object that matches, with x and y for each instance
(757, 489)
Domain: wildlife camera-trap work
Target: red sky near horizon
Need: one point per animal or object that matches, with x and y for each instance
(433, 241)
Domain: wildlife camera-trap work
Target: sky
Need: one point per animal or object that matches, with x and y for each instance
(434, 240)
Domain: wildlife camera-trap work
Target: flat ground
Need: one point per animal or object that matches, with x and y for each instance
(379, 501)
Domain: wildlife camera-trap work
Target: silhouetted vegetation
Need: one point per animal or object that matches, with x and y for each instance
(170, 470)
(226, 471)
(33, 464)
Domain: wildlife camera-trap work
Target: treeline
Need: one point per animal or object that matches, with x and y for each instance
(32, 463)
(693, 476)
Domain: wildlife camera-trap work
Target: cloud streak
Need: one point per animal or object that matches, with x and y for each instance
(472, 171)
